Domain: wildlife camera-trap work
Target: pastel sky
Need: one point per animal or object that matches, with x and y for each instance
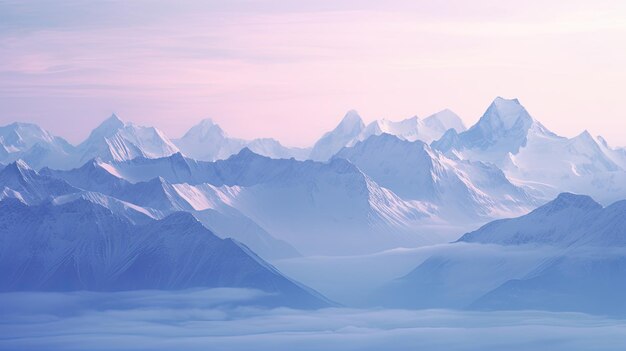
(291, 69)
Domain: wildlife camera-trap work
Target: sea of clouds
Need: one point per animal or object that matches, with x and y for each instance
(227, 319)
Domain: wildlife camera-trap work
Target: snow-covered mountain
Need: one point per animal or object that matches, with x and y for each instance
(305, 203)
(112, 140)
(115, 140)
(157, 198)
(502, 131)
(33, 144)
(507, 136)
(568, 255)
(567, 221)
(617, 155)
(412, 129)
(80, 245)
(206, 141)
(350, 127)
(19, 181)
(459, 189)
(351, 130)
(133, 213)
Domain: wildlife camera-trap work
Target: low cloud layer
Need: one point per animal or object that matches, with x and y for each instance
(203, 320)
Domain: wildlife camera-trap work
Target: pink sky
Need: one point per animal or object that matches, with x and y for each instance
(291, 70)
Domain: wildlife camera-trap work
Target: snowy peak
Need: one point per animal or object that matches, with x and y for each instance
(347, 131)
(351, 130)
(566, 201)
(33, 144)
(20, 136)
(350, 123)
(206, 141)
(502, 131)
(566, 221)
(585, 137)
(445, 120)
(107, 128)
(408, 129)
(506, 114)
(116, 140)
(206, 129)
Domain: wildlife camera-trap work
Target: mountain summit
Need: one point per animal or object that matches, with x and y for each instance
(206, 141)
(346, 131)
(116, 140)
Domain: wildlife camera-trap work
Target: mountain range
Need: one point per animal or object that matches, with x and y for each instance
(386, 181)
(304, 203)
(96, 214)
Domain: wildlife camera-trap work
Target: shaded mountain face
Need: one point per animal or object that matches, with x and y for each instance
(19, 181)
(206, 141)
(79, 245)
(567, 255)
(158, 198)
(504, 126)
(460, 189)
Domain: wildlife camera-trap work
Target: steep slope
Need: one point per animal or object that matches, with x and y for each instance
(460, 189)
(346, 131)
(133, 213)
(567, 255)
(502, 130)
(33, 144)
(79, 245)
(116, 140)
(569, 220)
(19, 181)
(617, 155)
(158, 197)
(206, 141)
